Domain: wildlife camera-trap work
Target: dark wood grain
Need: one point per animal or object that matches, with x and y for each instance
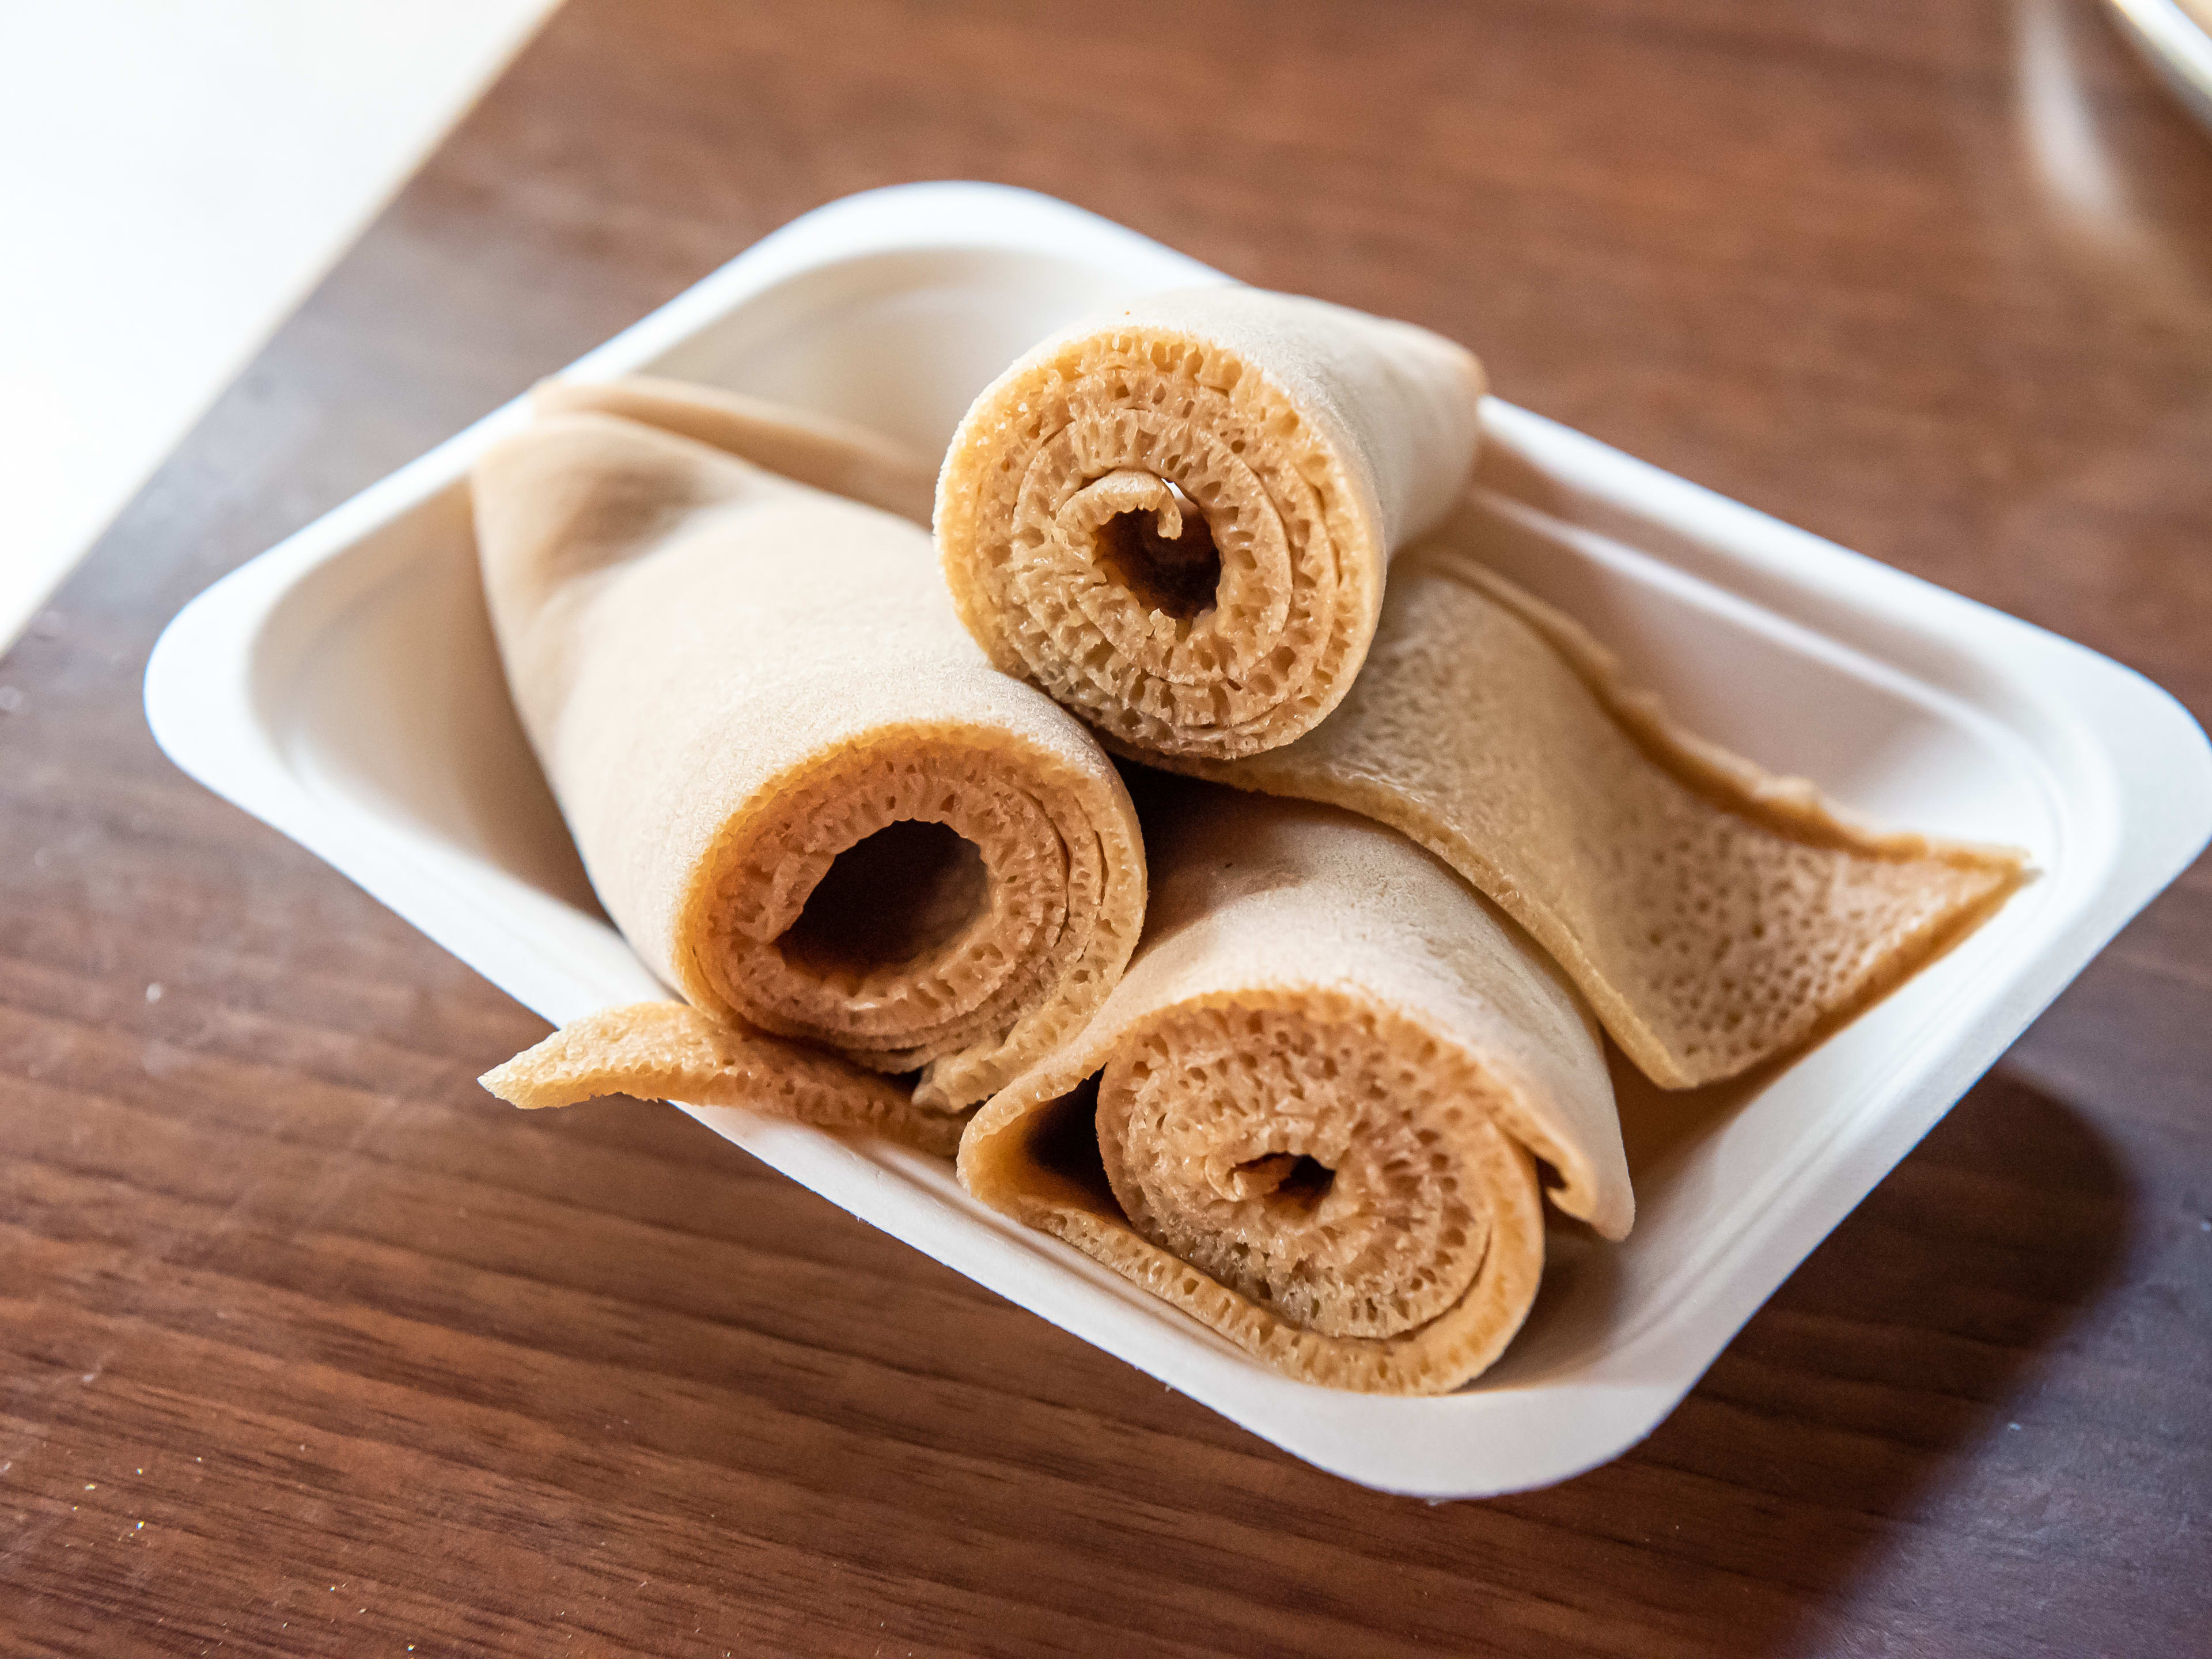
(313, 1347)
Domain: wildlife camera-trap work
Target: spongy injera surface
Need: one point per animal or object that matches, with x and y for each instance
(1313, 987)
(671, 1051)
(1716, 916)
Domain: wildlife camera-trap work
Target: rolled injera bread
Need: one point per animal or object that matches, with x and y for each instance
(804, 796)
(1311, 1115)
(1715, 915)
(1176, 520)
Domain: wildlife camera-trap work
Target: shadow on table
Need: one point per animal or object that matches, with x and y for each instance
(1844, 1403)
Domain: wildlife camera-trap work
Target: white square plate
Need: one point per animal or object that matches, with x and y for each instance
(343, 687)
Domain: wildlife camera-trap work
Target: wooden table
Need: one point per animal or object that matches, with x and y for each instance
(313, 1347)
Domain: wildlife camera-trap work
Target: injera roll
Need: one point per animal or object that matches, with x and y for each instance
(1177, 519)
(1715, 915)
(734, 684)
(1310, 1114)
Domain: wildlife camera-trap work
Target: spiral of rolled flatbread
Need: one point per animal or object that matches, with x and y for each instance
(1177, 519)
(806, 798)
(1312, 1113)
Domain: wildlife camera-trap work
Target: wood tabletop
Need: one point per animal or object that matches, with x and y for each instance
(313, 1347)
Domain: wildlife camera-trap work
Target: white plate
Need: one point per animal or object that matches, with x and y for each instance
(342, 687)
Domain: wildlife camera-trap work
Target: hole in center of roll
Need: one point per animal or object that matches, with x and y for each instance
(1062, 1143)
(1177, 575)
(887, 900)
(1288, 1178)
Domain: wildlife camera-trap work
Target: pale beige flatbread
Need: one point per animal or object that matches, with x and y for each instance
(671, 1051)
(739, 687)
(1315, 994)
(807, 449)
(1175, 519)
(1715, 915)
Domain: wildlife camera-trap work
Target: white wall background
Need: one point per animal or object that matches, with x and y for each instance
(174, 175)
